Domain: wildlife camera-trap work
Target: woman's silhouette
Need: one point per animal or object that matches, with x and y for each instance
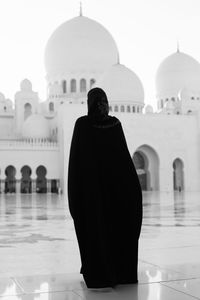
(105, 198)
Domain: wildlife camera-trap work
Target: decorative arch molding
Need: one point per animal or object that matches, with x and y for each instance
(149, 173)
(179, 159)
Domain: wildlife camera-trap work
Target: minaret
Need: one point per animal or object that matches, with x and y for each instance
(81, 10)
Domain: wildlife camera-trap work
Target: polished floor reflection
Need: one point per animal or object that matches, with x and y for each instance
(39, 256)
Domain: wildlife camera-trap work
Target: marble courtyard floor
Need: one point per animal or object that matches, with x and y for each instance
(39, 257)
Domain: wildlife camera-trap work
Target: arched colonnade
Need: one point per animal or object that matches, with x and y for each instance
(28, 182)
(147, 164)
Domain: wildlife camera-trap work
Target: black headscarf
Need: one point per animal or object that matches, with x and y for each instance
(98, 108)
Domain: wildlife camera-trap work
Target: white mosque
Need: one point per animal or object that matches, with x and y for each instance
(35, 136)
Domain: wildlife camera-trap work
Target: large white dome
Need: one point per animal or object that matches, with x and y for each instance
(121, 85)
(176, 72)
(35, 126)
(80, 45)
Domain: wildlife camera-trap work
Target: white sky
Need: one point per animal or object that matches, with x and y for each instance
(146, 31)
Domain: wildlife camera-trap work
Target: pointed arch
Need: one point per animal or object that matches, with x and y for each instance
(51, 106)
(146, 161)
(178, 174)
(82, 85)
(64, 86)
(128, 108)
(27, 110)
(26, 182)
(41, 181)
(10, 181)
(92, 82)
(116, 109)
(122, 108)
(73, 86)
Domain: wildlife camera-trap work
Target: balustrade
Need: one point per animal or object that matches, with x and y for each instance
(28, 143)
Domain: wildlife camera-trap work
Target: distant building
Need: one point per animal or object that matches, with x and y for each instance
(35, 136)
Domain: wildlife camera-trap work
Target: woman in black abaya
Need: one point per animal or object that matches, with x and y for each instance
(105, 198)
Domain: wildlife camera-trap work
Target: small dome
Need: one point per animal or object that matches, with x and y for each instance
(148, 109)
(2, 97)
(26, 85)
(184, 94)
(80, 44)
(35, 126)
(121, 85)
(176, 72)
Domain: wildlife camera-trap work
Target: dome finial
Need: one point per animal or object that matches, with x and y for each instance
(178, 46)
(81, 10)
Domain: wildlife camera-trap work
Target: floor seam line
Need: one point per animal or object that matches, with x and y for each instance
(75, 293)
(172, 288)
(161, 267)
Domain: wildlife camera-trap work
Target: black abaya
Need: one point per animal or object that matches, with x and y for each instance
(105, 202)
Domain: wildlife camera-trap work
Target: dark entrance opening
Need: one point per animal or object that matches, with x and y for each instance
(26, 186)
(41, 181)
(54, 187)
(10, 181)
(139, 163)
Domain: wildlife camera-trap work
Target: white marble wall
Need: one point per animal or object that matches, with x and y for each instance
(162, 138)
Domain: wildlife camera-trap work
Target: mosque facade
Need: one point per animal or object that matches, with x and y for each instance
(35, 136)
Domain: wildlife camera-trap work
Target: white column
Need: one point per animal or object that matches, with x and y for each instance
(166, 178)
(18, 177)
(48, 185)
(18, 186)
(58, 186)
(33, 188)
(69, 86)
(2, 186)
(57, 183)
(78, 86)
